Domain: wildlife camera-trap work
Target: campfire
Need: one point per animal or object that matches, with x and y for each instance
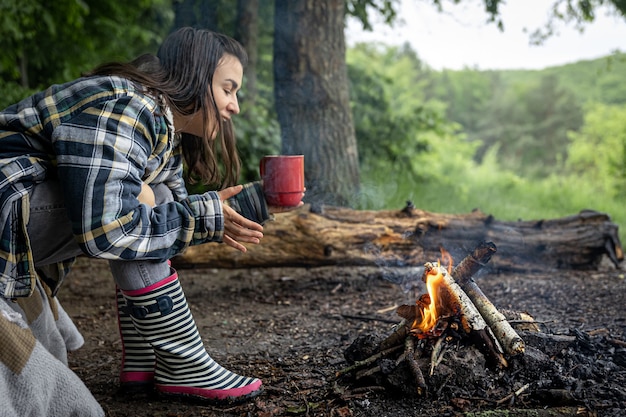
(453, 311)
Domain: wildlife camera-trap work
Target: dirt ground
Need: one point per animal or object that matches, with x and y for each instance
(291, 327)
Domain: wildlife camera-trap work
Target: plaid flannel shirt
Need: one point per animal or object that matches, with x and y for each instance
(102, 137)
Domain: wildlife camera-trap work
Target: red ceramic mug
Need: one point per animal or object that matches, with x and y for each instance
(283, 179)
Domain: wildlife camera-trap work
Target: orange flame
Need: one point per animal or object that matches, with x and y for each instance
(431, 312)
(435, 308)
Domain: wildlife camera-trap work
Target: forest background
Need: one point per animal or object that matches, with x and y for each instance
(531, 144)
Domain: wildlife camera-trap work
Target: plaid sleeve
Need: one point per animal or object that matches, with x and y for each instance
(250, 203)
(102, 153)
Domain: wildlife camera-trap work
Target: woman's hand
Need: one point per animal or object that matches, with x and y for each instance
(236, 227)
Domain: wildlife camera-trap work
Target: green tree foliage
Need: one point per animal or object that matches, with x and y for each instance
(386, 115)
(597, 153)
(48, 42)
(258, 134)
(529, 123)
(598, 80)
(527, 114)
(466, 93)
(405, 142)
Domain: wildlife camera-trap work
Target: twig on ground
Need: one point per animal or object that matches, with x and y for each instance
(367, 361)
(368, 318)
(514, 394)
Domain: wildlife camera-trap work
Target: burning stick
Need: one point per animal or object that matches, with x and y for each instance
(472, 321)
(505, 334)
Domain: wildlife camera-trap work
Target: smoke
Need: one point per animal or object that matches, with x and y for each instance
(376, 195)
(408, 279)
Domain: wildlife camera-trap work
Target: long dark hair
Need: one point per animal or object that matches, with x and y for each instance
(182, 72)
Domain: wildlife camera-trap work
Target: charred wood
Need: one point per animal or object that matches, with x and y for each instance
(410, 353)
(399, 335)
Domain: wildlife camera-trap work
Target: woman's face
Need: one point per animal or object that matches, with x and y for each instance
(226, 83)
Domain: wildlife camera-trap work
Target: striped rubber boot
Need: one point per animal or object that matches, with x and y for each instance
(138, 359)
(183, 367)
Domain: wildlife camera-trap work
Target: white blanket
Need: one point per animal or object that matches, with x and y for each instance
(34, 377)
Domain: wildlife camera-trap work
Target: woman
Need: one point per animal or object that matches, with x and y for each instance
(95, 167)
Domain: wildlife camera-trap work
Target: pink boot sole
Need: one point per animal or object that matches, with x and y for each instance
(219, 395)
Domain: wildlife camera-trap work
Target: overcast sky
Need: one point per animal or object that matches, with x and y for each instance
(459, 37)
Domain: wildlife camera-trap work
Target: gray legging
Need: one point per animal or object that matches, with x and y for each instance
(52, 240)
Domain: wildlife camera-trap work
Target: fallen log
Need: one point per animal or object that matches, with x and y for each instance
(411, 237)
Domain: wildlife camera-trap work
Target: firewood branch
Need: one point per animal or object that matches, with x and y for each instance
(463, 274)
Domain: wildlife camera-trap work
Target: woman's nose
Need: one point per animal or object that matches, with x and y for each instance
(233, 106)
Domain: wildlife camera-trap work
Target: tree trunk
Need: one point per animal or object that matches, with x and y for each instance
(247, 33)
(312, 100)
(410, 237)
(196, 13)
(184, 14)
(208, 17)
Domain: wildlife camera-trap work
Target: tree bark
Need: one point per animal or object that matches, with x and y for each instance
(208, 16)
(312, 100)
(411, 237)
(247, 33)
(196, 13)
(184, 14)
